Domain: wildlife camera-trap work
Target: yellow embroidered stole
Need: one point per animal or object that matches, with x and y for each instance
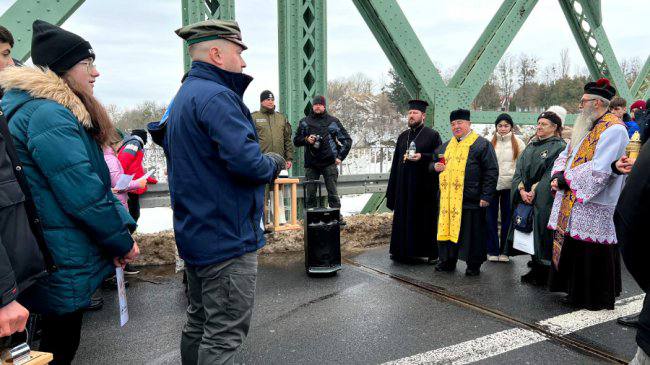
(585, 153)
(452, 182)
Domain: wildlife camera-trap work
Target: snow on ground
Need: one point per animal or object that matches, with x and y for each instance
(353, 204)
(154, 220)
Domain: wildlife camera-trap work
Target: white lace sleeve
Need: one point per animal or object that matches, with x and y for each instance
(589, 179)
(560, 162)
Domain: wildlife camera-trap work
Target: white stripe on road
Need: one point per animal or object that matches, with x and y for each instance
(512, 339)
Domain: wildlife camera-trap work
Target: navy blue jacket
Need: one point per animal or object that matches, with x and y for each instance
(216, 170)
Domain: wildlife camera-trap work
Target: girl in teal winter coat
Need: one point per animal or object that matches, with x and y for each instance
(59, 129)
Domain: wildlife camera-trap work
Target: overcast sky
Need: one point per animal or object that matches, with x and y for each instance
(140, 57)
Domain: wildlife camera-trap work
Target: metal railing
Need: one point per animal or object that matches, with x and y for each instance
(360, 160)
(367, 160)
(158, 195)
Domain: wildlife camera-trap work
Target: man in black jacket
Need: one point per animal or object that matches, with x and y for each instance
(631, 214)
(327, 143)
(23, 255)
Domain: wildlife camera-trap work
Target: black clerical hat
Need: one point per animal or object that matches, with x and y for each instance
(459, 114)
(602, 87)
(417, 104)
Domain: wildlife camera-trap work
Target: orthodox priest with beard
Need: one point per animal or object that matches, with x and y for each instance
(412, 192)
(468, 181)
(586, 262)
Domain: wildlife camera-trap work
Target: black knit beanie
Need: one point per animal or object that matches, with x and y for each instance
(554, 118)
(506, 117)
(318, 99)
(56, 48)
(266, 94)
(140, 133)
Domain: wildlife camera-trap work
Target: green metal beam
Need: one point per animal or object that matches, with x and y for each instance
(641, 87)
(477, 67)
(520, 118)
(585, 20)
(194, 11)
(410, 60)
(401, 45)
(376, 204)
(20, 16)
(302, 44)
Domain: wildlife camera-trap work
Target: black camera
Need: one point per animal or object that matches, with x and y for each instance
(317, 143)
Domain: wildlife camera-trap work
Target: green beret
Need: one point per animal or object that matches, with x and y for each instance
(211, 29)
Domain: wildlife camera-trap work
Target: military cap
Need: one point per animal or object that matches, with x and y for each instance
(211, 29)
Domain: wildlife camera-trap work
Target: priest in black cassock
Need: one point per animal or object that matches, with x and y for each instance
(412, 192)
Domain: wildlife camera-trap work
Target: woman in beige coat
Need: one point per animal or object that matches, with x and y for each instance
(508, 147)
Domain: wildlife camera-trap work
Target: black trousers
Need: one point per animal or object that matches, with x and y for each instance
(330, 175)
(495, 245)
(134, 206)
(472, 241)
(60, 335)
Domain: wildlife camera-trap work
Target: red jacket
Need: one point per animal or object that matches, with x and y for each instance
(130, 156)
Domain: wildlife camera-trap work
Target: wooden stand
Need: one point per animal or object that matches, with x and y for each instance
(37, 358)
(293, 224)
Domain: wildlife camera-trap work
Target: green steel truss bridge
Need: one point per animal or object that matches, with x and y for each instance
(302, 35)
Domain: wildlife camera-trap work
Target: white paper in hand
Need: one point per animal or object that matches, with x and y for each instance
(121, 293)
(123, 182)
(149, 173)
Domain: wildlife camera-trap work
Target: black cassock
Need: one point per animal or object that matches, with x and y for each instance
(412, 195)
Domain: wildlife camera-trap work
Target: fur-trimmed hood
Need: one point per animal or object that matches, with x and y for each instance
(45, 84)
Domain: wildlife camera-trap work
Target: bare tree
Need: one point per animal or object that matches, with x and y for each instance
(506, 72)
(114, 112)
(527, 72)
(549, 74)
(139, 116)
(565, 63)
(631, 68)
(488, 96)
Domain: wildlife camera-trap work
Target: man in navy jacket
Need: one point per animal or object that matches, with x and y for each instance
(216, 176)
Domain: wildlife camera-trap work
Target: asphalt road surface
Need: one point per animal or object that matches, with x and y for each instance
(374, 311)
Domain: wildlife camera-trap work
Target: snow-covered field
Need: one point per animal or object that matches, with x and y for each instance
(154, 220)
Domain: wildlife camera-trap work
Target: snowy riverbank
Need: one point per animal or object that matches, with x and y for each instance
(160, 219)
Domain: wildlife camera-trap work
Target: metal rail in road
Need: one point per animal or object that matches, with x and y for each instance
(439, 292)
(158, 195)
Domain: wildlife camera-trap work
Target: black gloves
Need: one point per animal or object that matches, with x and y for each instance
(280, 163)
(561, 181)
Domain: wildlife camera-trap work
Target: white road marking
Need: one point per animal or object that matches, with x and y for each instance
(512, 339)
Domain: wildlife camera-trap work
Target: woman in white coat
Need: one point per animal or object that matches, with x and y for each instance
(508, 147)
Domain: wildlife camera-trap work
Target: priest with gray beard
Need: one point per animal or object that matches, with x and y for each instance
(586, 262)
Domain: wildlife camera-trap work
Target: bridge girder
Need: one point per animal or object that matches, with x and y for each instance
(20, 16)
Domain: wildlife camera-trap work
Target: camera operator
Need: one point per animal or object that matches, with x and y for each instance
(327, 143)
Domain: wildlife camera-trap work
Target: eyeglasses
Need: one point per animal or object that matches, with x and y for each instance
(90, 66)
(583, 101)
